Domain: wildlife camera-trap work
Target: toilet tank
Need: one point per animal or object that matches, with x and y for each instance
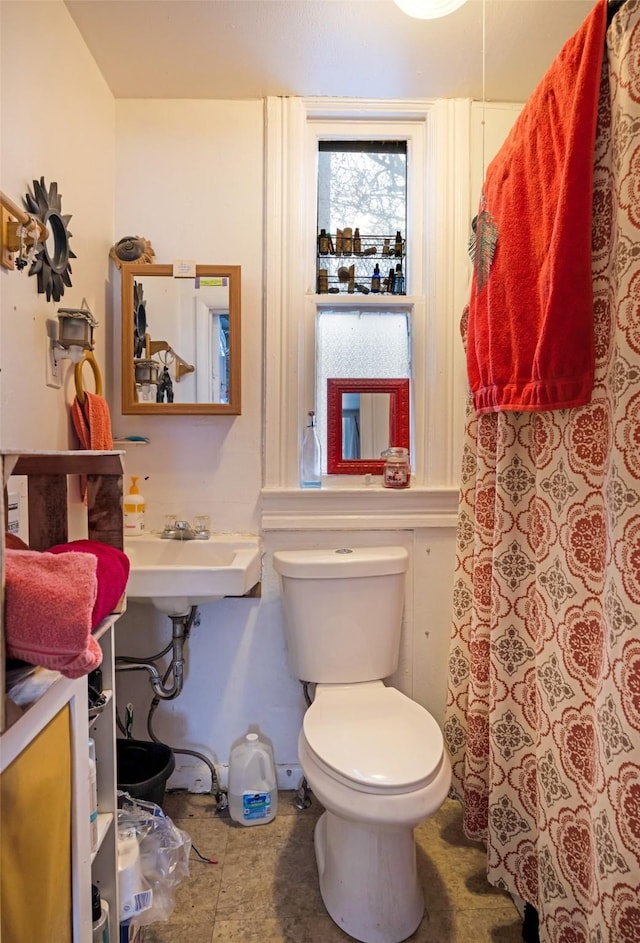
(342, 611)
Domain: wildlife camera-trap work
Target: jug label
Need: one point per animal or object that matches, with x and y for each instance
(256, 805)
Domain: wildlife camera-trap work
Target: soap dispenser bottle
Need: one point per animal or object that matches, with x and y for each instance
(133, 511)
(310, 473)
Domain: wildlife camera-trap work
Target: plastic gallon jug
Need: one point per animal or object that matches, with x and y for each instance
(253, 792)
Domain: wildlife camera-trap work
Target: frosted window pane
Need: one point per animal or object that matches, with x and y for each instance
(356, 344)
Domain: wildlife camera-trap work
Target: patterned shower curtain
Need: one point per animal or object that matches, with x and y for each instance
(543, 715)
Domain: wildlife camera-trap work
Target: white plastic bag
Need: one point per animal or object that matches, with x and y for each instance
(163, 860)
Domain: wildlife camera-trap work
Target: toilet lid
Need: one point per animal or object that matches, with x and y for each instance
(375, 737)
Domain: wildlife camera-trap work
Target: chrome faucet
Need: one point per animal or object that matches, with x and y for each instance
(182, 530)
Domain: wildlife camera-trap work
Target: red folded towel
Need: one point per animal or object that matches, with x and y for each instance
(112, 573)
(49, 600)
(531, 344)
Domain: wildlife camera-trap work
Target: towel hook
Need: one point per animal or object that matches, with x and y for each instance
(89, 358)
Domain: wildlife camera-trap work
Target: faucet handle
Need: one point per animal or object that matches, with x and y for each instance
(202, 524)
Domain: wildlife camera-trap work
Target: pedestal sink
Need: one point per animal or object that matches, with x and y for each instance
(174, 575)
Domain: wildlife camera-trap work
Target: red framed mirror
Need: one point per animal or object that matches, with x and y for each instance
(365, 417)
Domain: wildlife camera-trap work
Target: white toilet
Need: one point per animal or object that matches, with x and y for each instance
(373, 757)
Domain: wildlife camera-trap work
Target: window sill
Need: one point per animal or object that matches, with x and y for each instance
(358, 507)
(357, 299)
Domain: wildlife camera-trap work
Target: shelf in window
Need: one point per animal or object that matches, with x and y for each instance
(368, 241)
(354, 274)
(335, 287)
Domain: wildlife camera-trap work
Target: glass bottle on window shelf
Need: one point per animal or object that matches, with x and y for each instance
(390, 281)
(398, 281)
(323, 242)
(310, 465)
(375, 279)
(398, 245)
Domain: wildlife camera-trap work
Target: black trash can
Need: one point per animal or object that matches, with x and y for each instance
(144, 768)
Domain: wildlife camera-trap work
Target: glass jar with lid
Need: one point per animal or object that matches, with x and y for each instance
(396, 472)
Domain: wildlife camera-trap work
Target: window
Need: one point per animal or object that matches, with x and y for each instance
(300, 319)
(362, 237)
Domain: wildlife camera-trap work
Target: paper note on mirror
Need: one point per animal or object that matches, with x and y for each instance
(218, 282)
(184, 268)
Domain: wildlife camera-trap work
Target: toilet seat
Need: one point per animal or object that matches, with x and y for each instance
(373, 738)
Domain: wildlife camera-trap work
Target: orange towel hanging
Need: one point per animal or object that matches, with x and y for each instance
(97, 376)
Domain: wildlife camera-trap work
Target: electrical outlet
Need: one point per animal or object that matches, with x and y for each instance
(54, 367)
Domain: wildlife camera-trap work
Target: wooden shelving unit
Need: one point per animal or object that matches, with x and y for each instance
(47, 475)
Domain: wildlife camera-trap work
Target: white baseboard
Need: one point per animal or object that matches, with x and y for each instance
(194, 776)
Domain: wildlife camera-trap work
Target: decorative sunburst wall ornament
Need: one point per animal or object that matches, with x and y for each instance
(51, 263)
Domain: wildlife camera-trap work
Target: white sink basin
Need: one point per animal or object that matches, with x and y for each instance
(174, 575)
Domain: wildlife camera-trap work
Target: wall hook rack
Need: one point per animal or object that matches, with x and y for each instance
(20, 234)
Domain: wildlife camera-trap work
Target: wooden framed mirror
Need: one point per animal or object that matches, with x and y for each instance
(181, 350)
(365, 417)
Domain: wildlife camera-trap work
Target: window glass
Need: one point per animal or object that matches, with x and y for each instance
(363, 184)
(360, 344)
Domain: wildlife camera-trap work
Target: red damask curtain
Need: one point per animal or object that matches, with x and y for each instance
(543, 715)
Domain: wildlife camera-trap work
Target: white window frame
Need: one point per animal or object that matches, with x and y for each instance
(437, 135)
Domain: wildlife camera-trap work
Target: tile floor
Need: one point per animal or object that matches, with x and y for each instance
(264, 888)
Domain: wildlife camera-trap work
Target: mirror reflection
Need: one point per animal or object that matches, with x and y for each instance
(180, 340)
(365, 425)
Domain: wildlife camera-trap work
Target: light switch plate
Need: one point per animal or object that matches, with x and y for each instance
(54, 367)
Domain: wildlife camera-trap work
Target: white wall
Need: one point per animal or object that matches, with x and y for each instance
(57, 123)
(490, 124)
(190, 180)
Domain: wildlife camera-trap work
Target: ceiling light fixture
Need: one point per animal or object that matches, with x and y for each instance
(428, 9)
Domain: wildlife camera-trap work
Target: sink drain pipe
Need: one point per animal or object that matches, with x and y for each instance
(181, 629)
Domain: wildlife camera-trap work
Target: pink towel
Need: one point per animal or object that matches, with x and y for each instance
(49, 601)
(531, 343)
